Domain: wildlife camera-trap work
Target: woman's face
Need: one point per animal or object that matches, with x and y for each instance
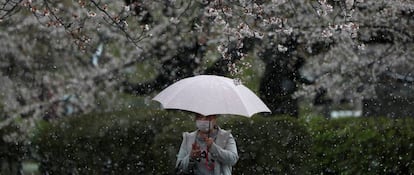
(211, 118)
(205, 123)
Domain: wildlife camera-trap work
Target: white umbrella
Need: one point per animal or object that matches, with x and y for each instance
(209, 95)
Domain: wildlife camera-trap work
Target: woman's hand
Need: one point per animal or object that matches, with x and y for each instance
(209, 141)
(195, 151)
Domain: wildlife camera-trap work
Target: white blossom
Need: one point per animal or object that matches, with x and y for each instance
(349, 4)
(127, 8)
(281, 48)
(92, 14)
(59, 51)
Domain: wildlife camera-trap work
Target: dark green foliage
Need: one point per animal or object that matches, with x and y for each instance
(265, 145)
(147, 143)
(167, 144)
(11, 153)
(274, 145)
(362, 146)
(101, 144)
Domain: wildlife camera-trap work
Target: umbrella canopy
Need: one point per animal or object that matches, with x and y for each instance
(210, 95)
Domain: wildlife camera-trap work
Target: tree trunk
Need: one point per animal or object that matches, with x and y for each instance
(280, 79)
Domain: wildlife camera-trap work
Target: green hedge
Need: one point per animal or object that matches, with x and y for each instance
(275, 145)
(12, 151)
(265, 145)
(100, 144)
(147, 143)
(362, 146)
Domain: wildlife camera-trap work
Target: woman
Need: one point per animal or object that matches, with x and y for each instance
(208, 150)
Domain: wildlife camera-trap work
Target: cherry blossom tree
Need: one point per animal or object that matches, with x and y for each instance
(63, 57)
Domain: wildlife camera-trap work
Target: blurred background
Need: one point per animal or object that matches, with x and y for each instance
(77, 80)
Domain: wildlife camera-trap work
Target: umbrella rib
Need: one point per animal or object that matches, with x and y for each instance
(175, 93)
(239, 96)
(242, 101)
(189, 83)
